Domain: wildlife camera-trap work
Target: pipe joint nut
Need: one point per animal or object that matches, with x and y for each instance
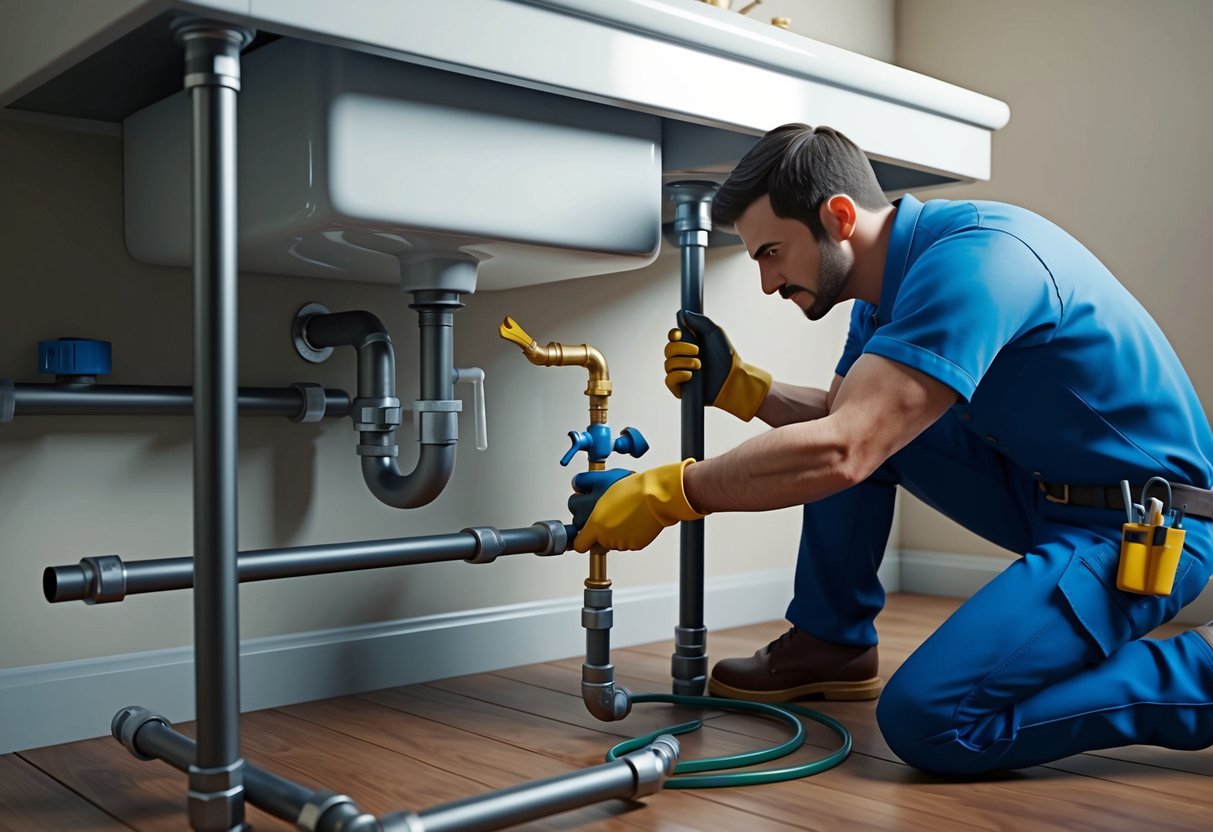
(489, 544)
(558, 537)
(106, 575)
(597, 675)
(599, 599)
(436, 421)
(126, 724)
(314, 810)
(375, 414)
(594, 619)
(653, 764)
(313, 402)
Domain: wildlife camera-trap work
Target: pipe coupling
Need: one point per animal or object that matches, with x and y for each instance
(313, 402)
(379, 414)
(436, 421)
(558, 537)
(653, 764)
(8, 400)
(328, 811)
(106, 577)
(126, 724)
(597, 619)
(489, 544)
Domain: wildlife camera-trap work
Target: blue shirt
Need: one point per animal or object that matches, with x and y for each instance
(1057, 366)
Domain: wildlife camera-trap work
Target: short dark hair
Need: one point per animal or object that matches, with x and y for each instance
(800, 167)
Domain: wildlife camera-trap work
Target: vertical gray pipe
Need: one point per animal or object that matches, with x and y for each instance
(212, 79)
(692, 222)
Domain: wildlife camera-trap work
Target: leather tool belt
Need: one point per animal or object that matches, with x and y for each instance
(1198, 502)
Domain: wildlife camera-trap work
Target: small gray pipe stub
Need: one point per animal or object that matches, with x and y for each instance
(8, 400)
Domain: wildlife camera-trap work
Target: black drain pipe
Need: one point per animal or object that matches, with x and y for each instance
(377, 411)
(689, 664)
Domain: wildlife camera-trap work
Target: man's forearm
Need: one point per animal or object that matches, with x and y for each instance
(783, 467)
(787, 404)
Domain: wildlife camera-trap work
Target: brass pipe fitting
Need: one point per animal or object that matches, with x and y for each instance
(563, 355)
(598, 389)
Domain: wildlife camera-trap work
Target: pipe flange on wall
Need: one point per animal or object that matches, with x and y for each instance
(8, 400)
(308, 352)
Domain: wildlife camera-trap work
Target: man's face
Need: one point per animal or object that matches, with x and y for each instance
(791, 262)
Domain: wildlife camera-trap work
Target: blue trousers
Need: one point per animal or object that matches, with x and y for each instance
(1048, 659)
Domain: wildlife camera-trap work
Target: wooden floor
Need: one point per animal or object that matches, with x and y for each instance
(422, 745)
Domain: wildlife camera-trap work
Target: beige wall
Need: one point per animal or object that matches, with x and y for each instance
(1111, 125)
(79, 486)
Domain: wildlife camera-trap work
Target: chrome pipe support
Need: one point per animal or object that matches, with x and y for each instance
(212, 82)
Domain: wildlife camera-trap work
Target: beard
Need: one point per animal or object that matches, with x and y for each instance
(835, 269)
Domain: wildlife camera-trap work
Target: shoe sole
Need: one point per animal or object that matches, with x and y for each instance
(838, 691)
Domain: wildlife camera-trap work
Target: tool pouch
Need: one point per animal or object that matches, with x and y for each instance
(1149, 558)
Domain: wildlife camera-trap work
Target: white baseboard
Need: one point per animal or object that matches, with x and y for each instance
(67, 701)
(55, 703)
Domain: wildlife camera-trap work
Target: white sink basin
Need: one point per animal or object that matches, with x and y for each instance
(350, 162)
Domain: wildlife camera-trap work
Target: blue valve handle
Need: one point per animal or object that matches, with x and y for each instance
(632, 443)
(595, 440)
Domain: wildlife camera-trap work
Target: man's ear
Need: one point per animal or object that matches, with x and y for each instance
(838, 215)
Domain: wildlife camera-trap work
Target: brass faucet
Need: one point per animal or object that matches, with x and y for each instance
(778, 22)
(598, 389)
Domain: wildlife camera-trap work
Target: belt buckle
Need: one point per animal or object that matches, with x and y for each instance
(1063, 500)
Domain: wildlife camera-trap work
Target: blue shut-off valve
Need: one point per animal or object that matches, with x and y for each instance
(596, 442)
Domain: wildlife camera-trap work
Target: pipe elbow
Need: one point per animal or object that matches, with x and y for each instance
(606, 702)
(338, 329)
(433, 471)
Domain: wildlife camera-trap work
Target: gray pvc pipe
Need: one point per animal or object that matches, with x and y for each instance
(642, 772)
(35, 399)
(150, 736)
(638, 774)
(108, 578)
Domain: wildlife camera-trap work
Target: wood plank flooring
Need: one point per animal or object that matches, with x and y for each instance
(422, 745)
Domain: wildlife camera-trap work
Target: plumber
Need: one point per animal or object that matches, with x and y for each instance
(996, 370)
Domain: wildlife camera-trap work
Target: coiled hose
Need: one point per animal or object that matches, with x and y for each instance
(687, 774)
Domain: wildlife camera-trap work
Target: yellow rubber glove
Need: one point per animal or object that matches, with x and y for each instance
(625, 511)
(728, 382)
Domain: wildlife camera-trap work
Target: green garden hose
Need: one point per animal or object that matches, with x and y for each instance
(784, 712)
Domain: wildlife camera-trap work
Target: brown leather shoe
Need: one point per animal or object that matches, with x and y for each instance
(798, 664)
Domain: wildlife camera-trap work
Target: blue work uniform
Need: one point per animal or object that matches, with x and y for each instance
(1061, 377)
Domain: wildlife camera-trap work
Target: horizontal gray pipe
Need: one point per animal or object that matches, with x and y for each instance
(108, 578)
(150, 736)
(150, 400)
(638, 774)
